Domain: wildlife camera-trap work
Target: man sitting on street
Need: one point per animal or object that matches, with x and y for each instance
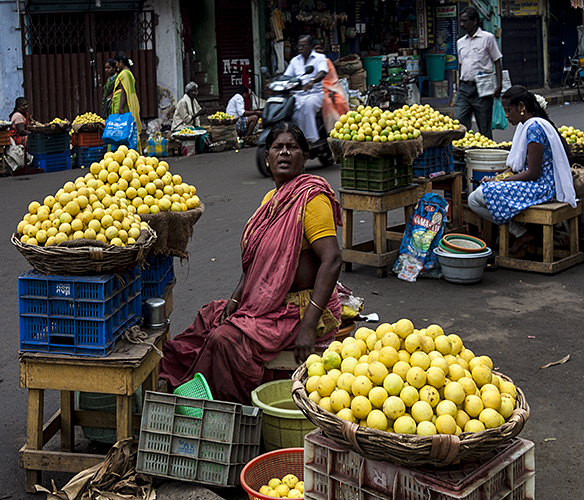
(248, 120)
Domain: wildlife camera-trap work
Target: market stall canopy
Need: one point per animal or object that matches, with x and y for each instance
(408, 150)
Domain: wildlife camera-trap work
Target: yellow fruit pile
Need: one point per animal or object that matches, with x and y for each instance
(572, 135)
(57, 120)
(376, 125)
(477, 140)
(288, 487)
(400, 379)
(185, 131)
(221, 115)
(88, 118)
(107, 202)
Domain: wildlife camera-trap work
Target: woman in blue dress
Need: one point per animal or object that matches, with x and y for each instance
(539, 165)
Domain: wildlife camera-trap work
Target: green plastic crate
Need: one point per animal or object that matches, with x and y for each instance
(195, 388)
(366, 173)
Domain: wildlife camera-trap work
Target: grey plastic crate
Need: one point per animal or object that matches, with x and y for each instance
(210, 449)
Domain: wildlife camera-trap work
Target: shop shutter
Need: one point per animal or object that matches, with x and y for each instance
(234, 44)
(523, 50)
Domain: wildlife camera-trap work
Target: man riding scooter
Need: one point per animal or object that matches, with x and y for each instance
(309, 100)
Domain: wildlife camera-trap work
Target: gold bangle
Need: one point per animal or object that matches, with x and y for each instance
(316, 305)
(233, 300)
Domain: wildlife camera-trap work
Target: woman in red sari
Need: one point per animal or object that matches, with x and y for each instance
(286, 297)
(21, 120)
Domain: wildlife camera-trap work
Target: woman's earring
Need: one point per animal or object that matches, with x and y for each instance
(522, 112)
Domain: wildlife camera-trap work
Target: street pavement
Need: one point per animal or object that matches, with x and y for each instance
(521, 320)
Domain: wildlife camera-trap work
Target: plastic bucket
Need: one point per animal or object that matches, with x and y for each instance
(462, 268)
(373, 66)
(283, 424)
(435, 67)
(484, 163)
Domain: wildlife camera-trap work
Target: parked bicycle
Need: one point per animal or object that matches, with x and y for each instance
(574, 75)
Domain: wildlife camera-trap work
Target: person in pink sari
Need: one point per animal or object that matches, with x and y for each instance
(286, 297)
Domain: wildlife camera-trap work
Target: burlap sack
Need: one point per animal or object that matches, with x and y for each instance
(174, 231)
(88, 127)
(49, 128)
(222, 133)
(358, 81)
(442, 138)
(348, 65)
(578, 178)
(407, 150)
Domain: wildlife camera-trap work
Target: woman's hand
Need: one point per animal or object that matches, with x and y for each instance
(305, 341)
(228, 310)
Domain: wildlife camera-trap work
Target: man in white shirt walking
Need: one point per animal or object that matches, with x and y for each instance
(309, 101)
(248, 120)
(477, 52)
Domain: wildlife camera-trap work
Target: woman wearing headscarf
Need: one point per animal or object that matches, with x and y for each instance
(188, 109)
(124, 99)
(538, 163)
(111, 73)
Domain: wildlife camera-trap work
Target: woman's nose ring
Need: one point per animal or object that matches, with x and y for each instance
(284, 152)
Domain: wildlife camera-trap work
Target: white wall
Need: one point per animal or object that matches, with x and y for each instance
(11, 74)
(169, 72)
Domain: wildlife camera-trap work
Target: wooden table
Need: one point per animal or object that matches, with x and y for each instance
(448, 182)
(121, 373)
(374, 252)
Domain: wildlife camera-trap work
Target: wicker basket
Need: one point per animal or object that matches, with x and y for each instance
(223, 121)
(50, 128)
(576, 153)
(406, 449)
(83, 260)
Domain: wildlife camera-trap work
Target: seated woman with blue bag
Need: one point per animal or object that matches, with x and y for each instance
(538, 163)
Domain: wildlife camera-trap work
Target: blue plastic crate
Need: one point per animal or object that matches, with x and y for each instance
(150, 290)
(43, 143)
(155, 268)
(84, 157)
(81, 315)
(54, 162)
(438, 159)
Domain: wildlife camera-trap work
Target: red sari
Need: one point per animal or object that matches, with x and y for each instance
(231, 356)
(20, 139)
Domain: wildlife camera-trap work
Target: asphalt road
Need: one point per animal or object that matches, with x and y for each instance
(522, 320)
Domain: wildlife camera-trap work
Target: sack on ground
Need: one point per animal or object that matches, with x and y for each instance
(499, 120)
(358, 81)
(423, 233)
(348, 65)
(157, 146)
(121, 129)
(227, 133)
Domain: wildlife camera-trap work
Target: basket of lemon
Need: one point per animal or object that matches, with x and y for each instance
(88, 122)
(221, 118)
(420, 397)
(56, 126)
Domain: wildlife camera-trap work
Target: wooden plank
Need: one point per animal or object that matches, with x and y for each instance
(379, 238)
(103, 419)
(369, 259)
(100, 379)
(34, 434)
(541, 267)
(52, 427)
(548, 213)
(457, 201)
(347, 239)
(67, 421)
(59, 461)
(123, 416)
(504, 241)
(548, 244)
(574, 238)
(378, 202)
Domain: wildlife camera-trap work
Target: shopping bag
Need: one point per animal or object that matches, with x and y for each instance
(121, 129)
(499, 120)
(487, 82)
(157, 145)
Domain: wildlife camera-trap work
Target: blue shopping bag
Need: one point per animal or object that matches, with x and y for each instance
(499, 119)
(121, 129)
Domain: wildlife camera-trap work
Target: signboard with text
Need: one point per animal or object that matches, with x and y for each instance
(446, 34)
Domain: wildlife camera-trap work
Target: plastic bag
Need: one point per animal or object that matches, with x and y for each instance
(157, 146)
(499, 118)
(15, 155)
(121, 130)
(423, 233)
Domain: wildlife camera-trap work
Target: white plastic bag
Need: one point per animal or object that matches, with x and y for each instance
(487, 82)
(15, 155)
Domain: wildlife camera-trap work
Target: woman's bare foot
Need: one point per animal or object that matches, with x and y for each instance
(520, 242)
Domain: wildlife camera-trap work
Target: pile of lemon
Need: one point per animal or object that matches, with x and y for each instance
(185, 131)
(400, 379)
(57, 120)
(572, 135)
(477, 140)
(88, 117)
(107, 202)
(221, 115)
(288, 487)
(376, 125)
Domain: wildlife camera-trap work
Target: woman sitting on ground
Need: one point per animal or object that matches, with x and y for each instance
(538, 163)
(21, 120)
(286, 297)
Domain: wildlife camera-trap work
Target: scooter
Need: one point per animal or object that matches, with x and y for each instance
(280, 107)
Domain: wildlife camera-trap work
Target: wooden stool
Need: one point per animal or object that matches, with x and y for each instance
(374, 252)
(546, 215)
(121, 373)
(477, 226)
(449, 182)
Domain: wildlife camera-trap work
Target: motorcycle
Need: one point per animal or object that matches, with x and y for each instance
(280, 107)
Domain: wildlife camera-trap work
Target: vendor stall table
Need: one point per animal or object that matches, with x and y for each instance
(122, 372)
(375, 252)
(449, 182)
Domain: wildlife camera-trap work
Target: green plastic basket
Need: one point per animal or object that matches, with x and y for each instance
(196, 388)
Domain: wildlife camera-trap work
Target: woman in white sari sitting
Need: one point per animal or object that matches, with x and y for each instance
(538, 163)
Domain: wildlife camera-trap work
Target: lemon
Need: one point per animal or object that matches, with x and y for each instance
(393, 384)
(331, 360)
(377, 372)
(325, 386)
(420, 359)
(377, 396)
(340, 399)
(377, 420)
(474, 425)
(316, 369)
(401, 368)
(455, 372)
(300, 486)
(351, 350)
(409, 395)
(446, 407)
(325, 404)
(469, 385)
(361, 407)
(491, 399)
(403, 328)
(388, 356)
(390, 339)
(435, 376)
(454, 392)
(272, 483)
(313, 358)
(508, 388)
(490, 418)
(348, 365)
(445, 424)
(361, 386)
(361, 368)
(434, 331)
(405, 425)
(461, 418)
(481, 374)
(473, 405)
(347, 414)
(394, 407)
(507, 407)
(314, 396)
(345, 382)
(426, 428)
(430, 395)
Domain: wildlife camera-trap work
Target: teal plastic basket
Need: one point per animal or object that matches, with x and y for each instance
(196, 388)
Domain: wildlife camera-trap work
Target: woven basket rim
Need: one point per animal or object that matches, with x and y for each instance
(82, 260)
(408, 449)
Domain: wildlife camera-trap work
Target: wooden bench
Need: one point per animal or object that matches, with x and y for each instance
(545, 215)
(374, 252)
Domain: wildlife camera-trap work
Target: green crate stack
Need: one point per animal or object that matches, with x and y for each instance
(366, 173)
